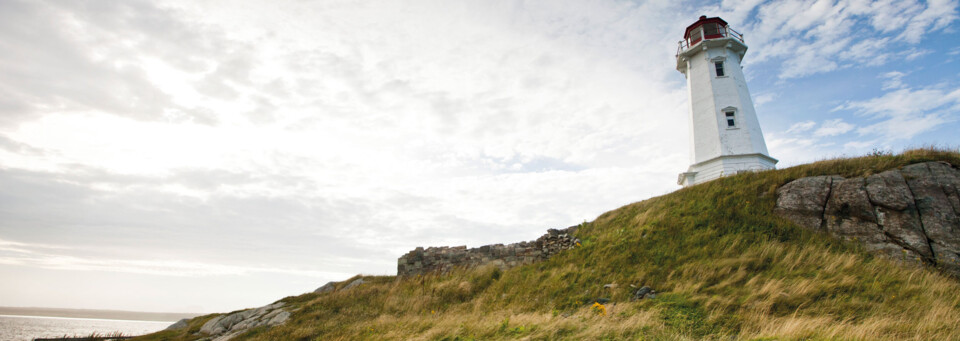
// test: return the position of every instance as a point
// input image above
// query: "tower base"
(723, 166)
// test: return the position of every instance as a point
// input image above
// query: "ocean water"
(26, 328)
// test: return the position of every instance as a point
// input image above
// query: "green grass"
(723, 264)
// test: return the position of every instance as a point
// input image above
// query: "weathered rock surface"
(225, 327)
(443, 259)
(329, 287)
(355, 283)
(802, 201)
(910, 214)
(644, 292)
(178, 325)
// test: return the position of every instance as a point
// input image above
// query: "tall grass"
(723, 264)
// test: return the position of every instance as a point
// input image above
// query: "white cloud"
(793, 149)
(833, 127)
(763, 98)
(903, 127)
(860, 145)
(906, 102)
(801, 143)
(905, 113)
(157, 267)
(815, 36)
(894, 80)
(913, 53)
(800, 127)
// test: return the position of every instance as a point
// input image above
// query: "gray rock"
(644, 292)
(212, 326)
(329, 287)
(949, 179)
(803, 200)
(937, 215)
(355, 282)
(897, 213)
(850, 215)
(442, 259)
(279, 319)
(178, 325)
(911, 214)
(225, 327)
(889, 189)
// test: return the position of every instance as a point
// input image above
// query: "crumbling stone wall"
(444, 258)
(910, 214)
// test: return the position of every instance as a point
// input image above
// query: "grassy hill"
(723, 264)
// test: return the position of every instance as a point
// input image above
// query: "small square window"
(731, 120)
(719, 66)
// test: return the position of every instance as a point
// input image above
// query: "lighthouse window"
(731, 120)
(719, 66)
(710, 29)
(696, 35)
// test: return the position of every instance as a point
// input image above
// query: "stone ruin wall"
(443, 259)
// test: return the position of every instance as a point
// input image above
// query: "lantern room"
(705, 28)
(706, 33)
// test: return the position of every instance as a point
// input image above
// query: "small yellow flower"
(433, 311)
(599, 308)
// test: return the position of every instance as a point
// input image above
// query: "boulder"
(329, 287)
(178, 325)
(355, 282)
(643, 292)
(225, 327)
(910, 214)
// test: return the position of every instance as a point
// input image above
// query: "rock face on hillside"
(183, 323)
(443, 259)
(225, 327)
(910, 214)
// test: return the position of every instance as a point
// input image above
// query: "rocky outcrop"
(910, 214)
(443, 259)
(225, 327)
(354, 283)
(329, 287)
(351, 283)
(183, 323)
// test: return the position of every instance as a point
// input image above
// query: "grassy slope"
(722, 263)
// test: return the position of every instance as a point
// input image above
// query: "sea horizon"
(100, 314)
(84, 318)
(26, 327)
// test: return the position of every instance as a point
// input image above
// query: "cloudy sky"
(207, 156)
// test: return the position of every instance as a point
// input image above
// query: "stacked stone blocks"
(443, 259)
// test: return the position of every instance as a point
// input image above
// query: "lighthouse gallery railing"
(725, 32)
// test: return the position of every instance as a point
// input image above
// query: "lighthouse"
(725, 136)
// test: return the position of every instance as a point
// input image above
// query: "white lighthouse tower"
(725, 134)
